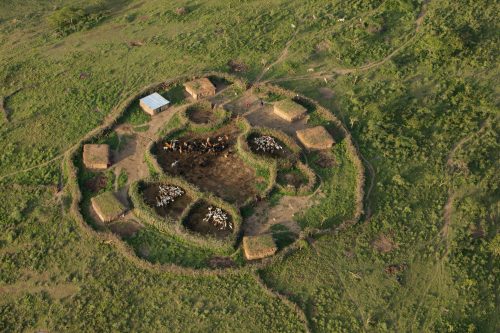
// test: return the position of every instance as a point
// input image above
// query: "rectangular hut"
(289, 110)
(96, 156)
(315, 138)
(154, 103)
(200, 88)
(107, 206)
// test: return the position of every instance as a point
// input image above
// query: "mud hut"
(107, 206)
(154, 103)
(315, 138)
(289, 110)
(96, 156)
(258, 247)
(200, 88)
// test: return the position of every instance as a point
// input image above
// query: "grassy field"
(415, 82)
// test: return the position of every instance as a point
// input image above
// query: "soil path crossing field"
(36, 166)
(450, 161)
(444, 233)
(281, 57)
(343, 70)
(285, 299)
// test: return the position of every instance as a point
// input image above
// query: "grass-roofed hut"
(107, 206)
(96, 156)
(200, 88)
(258, 247)
(289, 110)
(315, 138)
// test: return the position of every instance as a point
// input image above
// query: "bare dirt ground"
(291, 179)
(201, 115)
(265, 216)
(283, 213)
(222, 173)
(130, 156)
(249, 106)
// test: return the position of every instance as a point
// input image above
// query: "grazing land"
(392, 229)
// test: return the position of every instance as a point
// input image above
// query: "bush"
(67, 20)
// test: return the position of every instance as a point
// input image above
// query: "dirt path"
(373, 175)
(35, 166)
(444, 233)
(130, 158)
(281, 57)
(285, 299)
(32, 282)
(370, 65)
(450, 161)
(342, 70)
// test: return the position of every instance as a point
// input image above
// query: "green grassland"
(419, 96)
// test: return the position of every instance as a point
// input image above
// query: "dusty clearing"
(201, 115)
(222, 173)
(250, 107)
(384, 244)
(32, 282)
(283, 213)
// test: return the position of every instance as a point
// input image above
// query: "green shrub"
(67, 20)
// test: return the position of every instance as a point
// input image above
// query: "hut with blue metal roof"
(154, 103)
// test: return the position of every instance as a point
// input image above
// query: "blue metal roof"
(155, 101)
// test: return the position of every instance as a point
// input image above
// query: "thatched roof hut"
(200, 88)
(107, 206)
(258, 247)
(154, 103)
(96, 156)
(289, 110)
(315, 138)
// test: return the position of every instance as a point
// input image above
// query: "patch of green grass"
(247, 211)
(336, 202)
(263, 177)
(282, 236)
(427, 90)
(122, 178)
(134, 115)
(143, 128)
(175, 94)
(157, 247)
(275, 196)
(110, 139)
